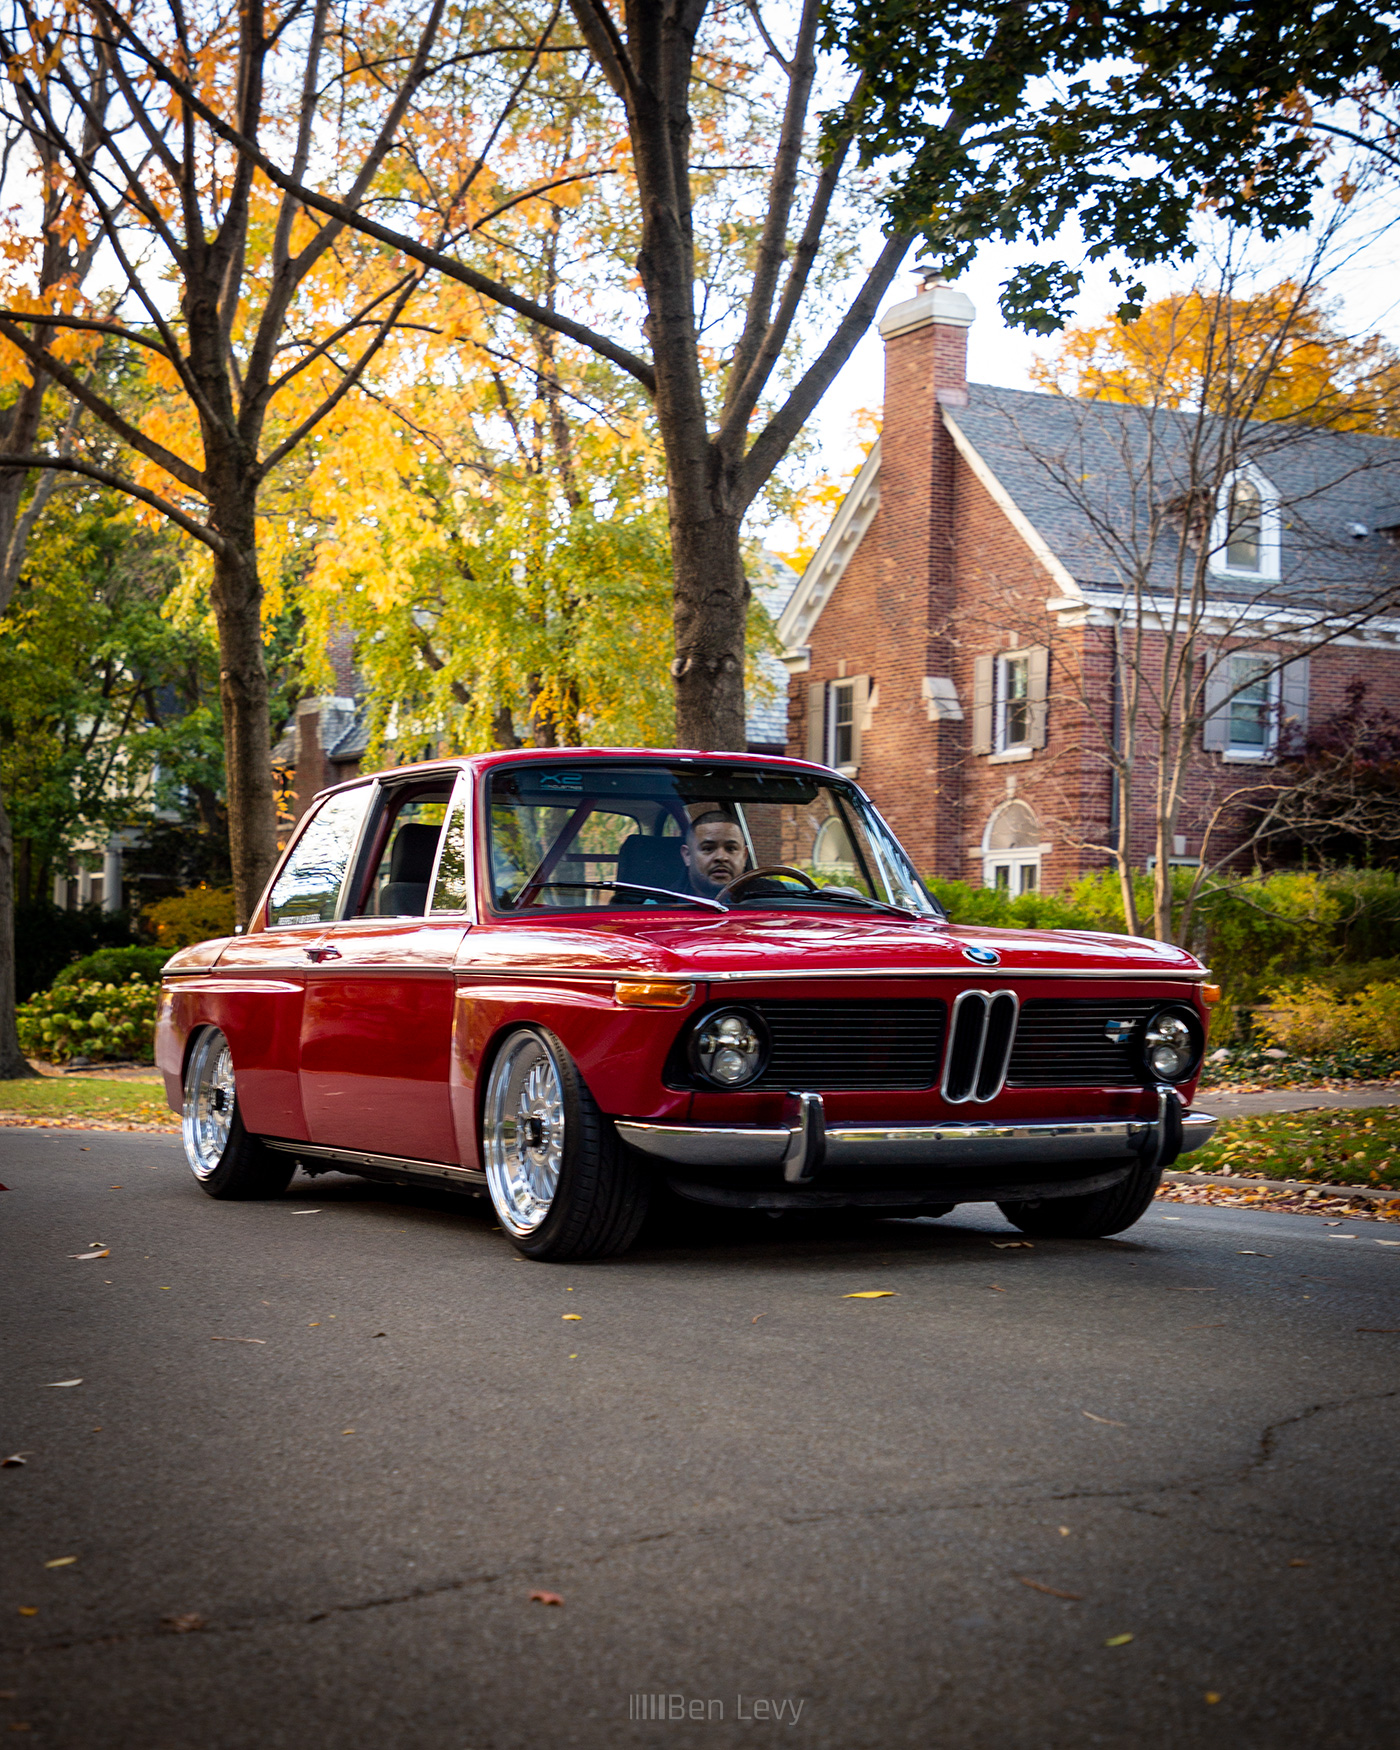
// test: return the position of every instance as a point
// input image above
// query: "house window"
(1246, 531)
(1253, 713)
(843, 724)
(1011, 849)
(1013, 702)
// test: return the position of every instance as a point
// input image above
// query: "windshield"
(581, 835)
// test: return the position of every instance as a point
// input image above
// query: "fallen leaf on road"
(1117, 1640)
(116, 1187)
(185, 1624)
(381, 1334)
(1036, 1586)
(545, 1598)
(61, 1562)
(1013, 1245)
(571, 1318)
(29, 1609)
(1219, 1326)
(64, 1382)
(1376, 1330)
(15, 1458)
(1388, 1242)
(1212, 1697)
(1064, 1531)
(303, 1212)
(262, 1340)
(870, 1294)
(1106, 1420)
(1297, 1562)
(106, 1252)
(347, 1430)
(756, 1317)
(1191, 1291)
(1254, 1254)
(996, 1287)
(1341, 1236)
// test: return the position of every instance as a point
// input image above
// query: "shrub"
(995, 908)
(116, 966)
(91, 1019)
(47, 938)
(1310, 1020)
(193, 916)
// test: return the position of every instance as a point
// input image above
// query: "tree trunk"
(711, 613)
(237, 599)
(13, 1063)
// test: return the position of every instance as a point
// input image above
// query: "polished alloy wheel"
(524, 1133)
(208, 1114)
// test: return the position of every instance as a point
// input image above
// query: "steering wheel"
(767, 869)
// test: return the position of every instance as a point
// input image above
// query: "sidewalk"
(1227, 1105)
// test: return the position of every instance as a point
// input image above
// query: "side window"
(308, 889)
(450, 892)
(399, 887)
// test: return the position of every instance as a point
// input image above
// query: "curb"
(1296, 1185)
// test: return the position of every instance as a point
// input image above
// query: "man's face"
(714, 853)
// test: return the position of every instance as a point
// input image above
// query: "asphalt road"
(747, 1488)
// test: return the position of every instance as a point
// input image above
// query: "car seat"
(652, 862)
(405, 894)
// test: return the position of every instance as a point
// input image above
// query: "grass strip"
(78, 1097)
(1327, 1147)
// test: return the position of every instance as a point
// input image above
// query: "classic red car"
(579, 980)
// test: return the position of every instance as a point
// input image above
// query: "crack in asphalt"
(1265, 1449)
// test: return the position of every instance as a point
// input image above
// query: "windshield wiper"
(635, 887)
(848, 896)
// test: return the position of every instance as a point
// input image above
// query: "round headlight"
(1171, 1045)
(728, 1048)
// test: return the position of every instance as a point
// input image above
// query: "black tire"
(562, 1183)
(225, 1160)
(1094, 1216)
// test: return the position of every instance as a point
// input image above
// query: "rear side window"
(308, 889)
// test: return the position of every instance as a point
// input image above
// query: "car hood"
(750, 945)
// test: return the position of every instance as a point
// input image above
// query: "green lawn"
(1360, 1147)
(79, 1097)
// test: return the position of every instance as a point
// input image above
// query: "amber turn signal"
(653, 994)
(1210, 993)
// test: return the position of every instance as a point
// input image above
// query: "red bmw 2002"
(575, 980)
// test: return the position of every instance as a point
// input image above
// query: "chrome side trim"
(356, 1158)
(759, 975)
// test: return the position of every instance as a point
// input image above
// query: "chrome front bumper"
(800, 1149)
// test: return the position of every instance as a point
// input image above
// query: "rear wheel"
(562, 1184)
(227, 1161)
(1091, 1217)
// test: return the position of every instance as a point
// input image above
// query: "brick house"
(967, 632)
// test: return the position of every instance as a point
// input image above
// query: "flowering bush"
(192, 916)
(91, 1020)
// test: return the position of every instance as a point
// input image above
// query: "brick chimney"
(926, 367)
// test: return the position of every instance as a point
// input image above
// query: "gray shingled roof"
(1080, 471)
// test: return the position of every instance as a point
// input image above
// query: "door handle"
(320, 954)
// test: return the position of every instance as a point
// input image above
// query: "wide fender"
(261, 1019)
(620, 1052)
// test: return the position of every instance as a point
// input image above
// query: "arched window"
(1011, 849)
(1244, 537)
(1245, 533)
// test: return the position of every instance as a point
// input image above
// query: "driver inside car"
(714, 852)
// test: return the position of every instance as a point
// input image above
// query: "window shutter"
(982, 704)
(1038, 691)
(816, 722)
(1215, 732)
(860, 710)
(1294, 696)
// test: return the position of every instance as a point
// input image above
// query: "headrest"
(415, 846)
(652, 862)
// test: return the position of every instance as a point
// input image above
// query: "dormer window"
(1245, 532)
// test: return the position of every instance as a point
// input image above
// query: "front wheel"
(227, 1161)
(1091, 1217)
(562, 1184)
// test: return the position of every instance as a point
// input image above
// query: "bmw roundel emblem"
(982, 956)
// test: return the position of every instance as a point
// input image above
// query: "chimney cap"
(936, 303)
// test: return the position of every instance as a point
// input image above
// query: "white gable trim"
(1070, 591)
(814, 587)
